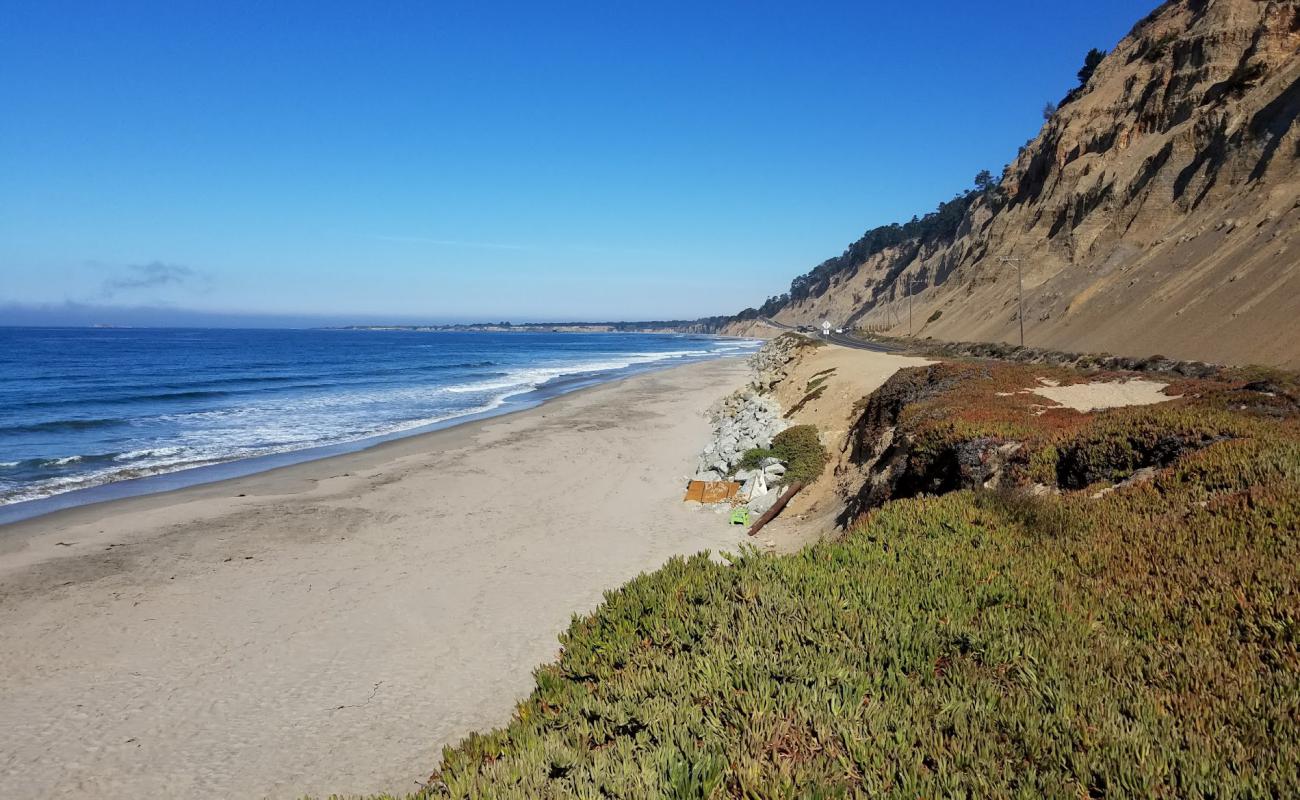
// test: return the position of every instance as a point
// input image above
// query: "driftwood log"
(776, 507)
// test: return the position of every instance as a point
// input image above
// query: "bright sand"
(327, 627)
(1087, 397)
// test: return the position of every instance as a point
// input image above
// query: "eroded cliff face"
(1158, 211)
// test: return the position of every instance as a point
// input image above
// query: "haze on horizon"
(250, 164)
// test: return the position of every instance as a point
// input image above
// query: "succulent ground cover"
(1078, 640)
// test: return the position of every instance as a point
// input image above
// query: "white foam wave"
(174, 459)
(87, 480)
(528, 378)
(148, 452)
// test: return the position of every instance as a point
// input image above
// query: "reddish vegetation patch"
(971, 424)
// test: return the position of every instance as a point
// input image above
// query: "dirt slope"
(1156, 212)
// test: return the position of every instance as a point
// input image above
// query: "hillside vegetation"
(1074, 632)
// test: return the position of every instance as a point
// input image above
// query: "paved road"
(840, 339)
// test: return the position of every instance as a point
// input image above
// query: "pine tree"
(1090, 63)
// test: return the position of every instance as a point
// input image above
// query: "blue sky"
(451, 161)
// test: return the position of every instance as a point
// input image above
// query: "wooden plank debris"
(711, 491)
(776, 508)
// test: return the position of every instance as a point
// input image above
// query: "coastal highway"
(840, 339)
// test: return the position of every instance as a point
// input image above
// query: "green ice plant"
(981, 643)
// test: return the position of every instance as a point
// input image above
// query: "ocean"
(88, 407)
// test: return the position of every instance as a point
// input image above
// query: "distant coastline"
(660, 327)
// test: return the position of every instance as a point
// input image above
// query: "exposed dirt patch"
(1096, 396)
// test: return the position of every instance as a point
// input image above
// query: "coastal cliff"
(1157, 211)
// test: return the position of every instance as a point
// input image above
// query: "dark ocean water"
(85, 407)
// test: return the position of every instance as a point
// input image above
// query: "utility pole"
(911, 293)
(1020, 295)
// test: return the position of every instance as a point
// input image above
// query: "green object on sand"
(740, 516)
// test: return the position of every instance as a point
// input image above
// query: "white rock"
(756, 486)
(760, 504)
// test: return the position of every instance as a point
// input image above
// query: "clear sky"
(484, 160)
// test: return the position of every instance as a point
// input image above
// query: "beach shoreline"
(327, 626)
(185, 476)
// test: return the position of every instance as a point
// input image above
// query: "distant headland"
(706, 325)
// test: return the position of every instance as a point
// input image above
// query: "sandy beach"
(327, 627)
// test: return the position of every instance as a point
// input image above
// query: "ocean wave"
(526, 379)
(189, 394)
(63, 425)
(337, 372)
(174, 396)
(41, 465)
(148, 462)
(207, 389)
(86, 480)
(462, 365)
(193, 394)
(148, 452)
(232, 380)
